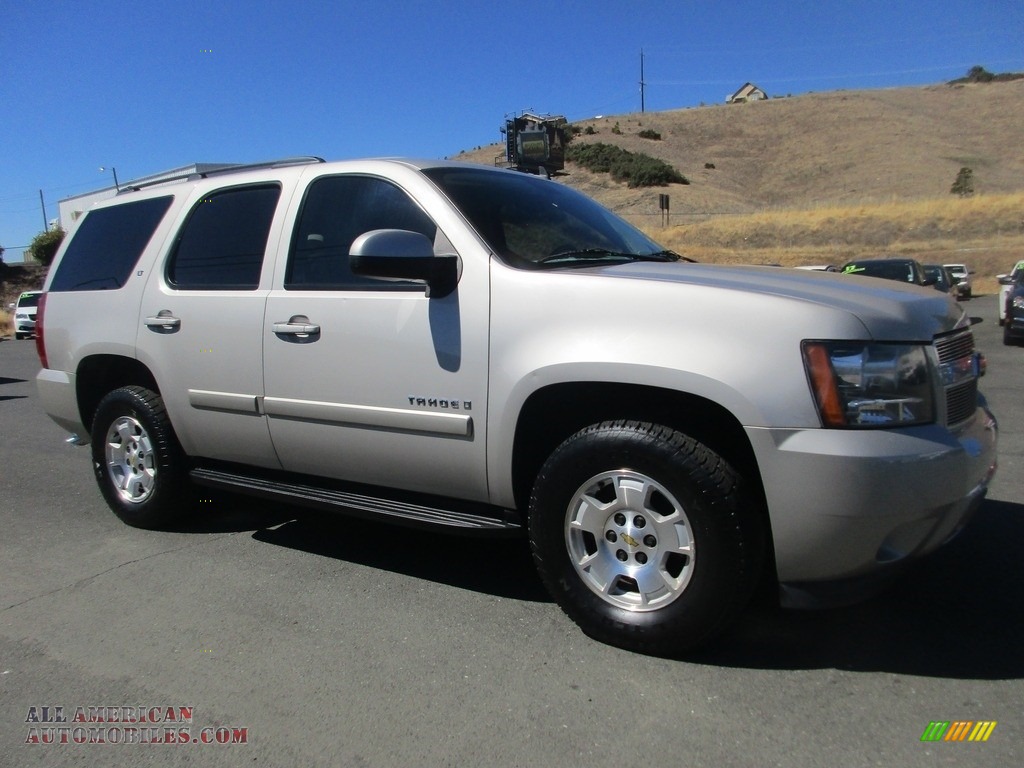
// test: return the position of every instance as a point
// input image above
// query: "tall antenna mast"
(642, 83)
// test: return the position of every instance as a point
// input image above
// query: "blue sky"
(144, 86)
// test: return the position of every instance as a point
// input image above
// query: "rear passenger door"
(201, 322)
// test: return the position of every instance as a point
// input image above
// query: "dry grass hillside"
(824, 177)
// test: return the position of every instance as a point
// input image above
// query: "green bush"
(647, 133)
(634, 168)
(44, 245)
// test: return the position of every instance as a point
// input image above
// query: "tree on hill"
(978, 74)
(963, 185)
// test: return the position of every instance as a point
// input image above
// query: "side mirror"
(1004, 279)
(397, 254)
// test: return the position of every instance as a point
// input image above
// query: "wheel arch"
(553, 413)
(99, 374)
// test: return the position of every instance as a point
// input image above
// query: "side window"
(336, 210)
(221, 244)
(107, 245)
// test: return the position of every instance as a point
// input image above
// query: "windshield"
(534, 223)
(28, 300)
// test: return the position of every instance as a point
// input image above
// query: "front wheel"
(645, 537)
(138, 464)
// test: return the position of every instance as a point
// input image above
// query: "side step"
(489, 521)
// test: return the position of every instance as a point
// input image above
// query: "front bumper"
(1015, 325)
(849, 508)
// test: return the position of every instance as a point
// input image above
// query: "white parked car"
(25, 314)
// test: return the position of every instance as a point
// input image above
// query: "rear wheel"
(644, 536)
(138, 464)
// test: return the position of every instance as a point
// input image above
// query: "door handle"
(297, 325)
(163, 320)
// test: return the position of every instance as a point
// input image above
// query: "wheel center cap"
(630, 541)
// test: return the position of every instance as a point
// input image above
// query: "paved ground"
(340, 643)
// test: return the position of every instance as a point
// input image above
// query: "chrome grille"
(958, 375)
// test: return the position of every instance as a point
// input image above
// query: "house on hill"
(749, 92)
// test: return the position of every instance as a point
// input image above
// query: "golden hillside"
(823, 177)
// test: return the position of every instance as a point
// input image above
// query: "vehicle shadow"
(502, 567)
(956, 614)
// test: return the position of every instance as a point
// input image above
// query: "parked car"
(902, 270)
(962, 275)
(1013, 325)
(25, 314)
(1006, 283)
(445, 345)
(941, 279)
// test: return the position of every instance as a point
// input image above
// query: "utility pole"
(46, 226)
(642, 83)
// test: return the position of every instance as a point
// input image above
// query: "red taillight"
(40, 341)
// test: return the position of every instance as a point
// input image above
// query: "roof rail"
(282, 163)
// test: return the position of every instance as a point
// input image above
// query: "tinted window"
(28, 300)
(223, 242)
(338, 209)
(108, 244)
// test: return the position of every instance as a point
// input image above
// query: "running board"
(363, 505)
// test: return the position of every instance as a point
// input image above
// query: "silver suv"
(451, 346)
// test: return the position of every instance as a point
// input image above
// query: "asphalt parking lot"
(322, 641)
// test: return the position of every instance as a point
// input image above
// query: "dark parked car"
(903, 270)
(942, 279)
(1006, 283)
(1013, 327)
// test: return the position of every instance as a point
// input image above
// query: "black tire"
(20, 336)
(138, 463)
(671, 548)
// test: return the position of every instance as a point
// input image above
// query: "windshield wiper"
(603, 254)
(668, 255)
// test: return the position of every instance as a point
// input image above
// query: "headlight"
(1018, 302)
(870, 385)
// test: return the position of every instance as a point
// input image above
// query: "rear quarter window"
(107, 245)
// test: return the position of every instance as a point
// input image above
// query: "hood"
(888, 309)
